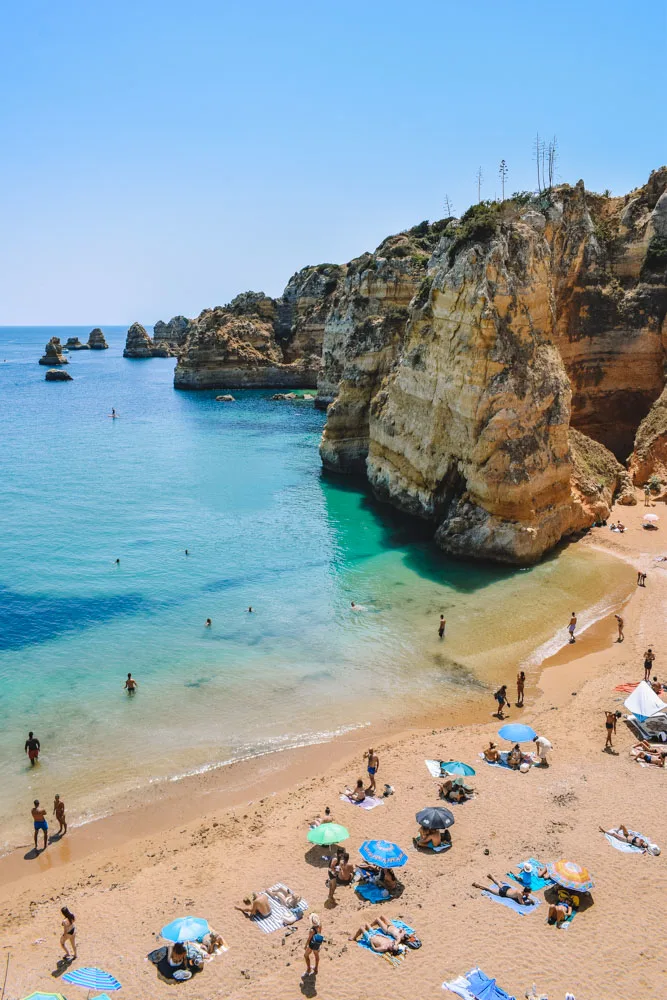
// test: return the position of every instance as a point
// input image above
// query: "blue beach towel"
(501, 763)
(566, 923)
(534, 882)
(430, 847)
(394, 959)
(372, 893)
(512, 904)
(476, 985)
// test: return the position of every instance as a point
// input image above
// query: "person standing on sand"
(314, 942)
(647, 496)
(501, 698)
(373, 767)
(610, 726)
(543, 747)
(571, 627)
(59, 813)
(130, 684)
(619, 623)
(441, 627)
(68, 936)
(520, 684)
(32, 748)
(39, 821)
(649, 658)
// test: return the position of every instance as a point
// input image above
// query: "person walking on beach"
(543, 747)
(501, 698)
(39, 821)
(313, 944)
(373, 767)
(59, 813)
(649, 657)
(571, 627)
(647, 496)
(619, 623)
(32, 748)
(610, 726)
(441, 627)
(130, 684)
(520, 684)
(68, 936)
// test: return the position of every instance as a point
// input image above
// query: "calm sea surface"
(240, 486)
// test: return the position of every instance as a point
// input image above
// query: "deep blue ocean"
(240, 486)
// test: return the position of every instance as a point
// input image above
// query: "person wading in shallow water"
(619, 624)
(39, 823)
(572, 626)
(32, 748)
(520, 684)
(130, 684)
(59, 813)
(441, 626)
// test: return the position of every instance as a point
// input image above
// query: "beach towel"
(393, 959)
(626, 688)
(501, 763)
(371, 892)
(476, 984)
(369, 802)
(279, 913)
(566, 923)
(433, 768)
(534, 882)
(627, 848)
(430, 847)
(512, 904)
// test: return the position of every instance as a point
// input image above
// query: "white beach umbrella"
(651, 517)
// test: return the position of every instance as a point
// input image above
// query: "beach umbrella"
(515, 732)
(651, 517)
(45, 996)
(92, 979)
(570, 875)
(456, 767)
(186, 929)
(383, 853)
(327, 833)
(435, 818)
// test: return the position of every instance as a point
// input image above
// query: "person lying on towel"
(506, 891)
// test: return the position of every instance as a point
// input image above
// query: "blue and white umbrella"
(457, 767)
(515, 732)
(92, 979)
(186, 929)
(383, 853)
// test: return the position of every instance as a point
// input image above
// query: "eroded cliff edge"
(538, 325)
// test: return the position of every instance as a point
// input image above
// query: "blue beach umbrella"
(45, 996)
(92, 979)
(514, 732)
(383, 853)
(186, 929)
(456, 767)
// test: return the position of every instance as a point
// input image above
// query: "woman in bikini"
(560, 911)
(382, 936)
(358, 795)
(492, 754)
(506, 891)
(644, 752)
(68, 936)
(520, 684)
(341, 873)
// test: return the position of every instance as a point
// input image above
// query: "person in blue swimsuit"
(39, 820)
(373, 767)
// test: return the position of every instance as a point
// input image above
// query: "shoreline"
(231, 784)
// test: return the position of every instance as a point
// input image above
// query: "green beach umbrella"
(328, 833)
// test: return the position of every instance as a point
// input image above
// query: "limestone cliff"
(649, 457)
(53, 353)
(257, 342)
(74, 344)
(97, 340)
(139, 345)
(174, 332)
(532, 317)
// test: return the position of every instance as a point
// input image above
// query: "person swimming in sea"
(208, 623)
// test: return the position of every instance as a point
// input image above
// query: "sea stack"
(74, 344)
(139, 345)
(174, 332)
(57, 375)
(53, 353)
(96, 340)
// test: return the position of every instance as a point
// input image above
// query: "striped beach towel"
(279, 913)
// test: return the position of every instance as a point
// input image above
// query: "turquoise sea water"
(240, 486)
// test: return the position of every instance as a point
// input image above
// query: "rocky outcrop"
(174, 332)
(245, 345)
(74, 344)
(139, 345)
(649, 457)
(53, 353)
(474, 410)
(57, 375)
(97, 340)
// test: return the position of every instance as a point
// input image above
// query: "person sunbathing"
(515, 757)
(327, 817)
(288, 898)
(506, 891)
(622, 833)
(644, 752)
(358, 795)
(256, 905)
(492, 754)
(561, 910)
(382, 936)
(427, 837)
(384, 877)
(454, 790)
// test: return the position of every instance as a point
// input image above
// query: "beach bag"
(413, 942)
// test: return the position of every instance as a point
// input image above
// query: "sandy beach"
(214, 839)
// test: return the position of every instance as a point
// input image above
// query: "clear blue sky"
(158, 157)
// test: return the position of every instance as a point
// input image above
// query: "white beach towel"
(369, 802)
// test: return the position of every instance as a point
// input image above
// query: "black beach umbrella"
(435, 818)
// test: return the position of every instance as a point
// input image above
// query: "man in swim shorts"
(649, 657)
(130, 684)
(571, 627)
(373, 765)
(32, 748)
(39, 821)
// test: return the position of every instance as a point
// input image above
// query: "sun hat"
(315, 920)
(527, 867)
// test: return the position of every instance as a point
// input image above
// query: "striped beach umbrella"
(328, 833)
(383, 853)
(457, 767)
(92, 979)
(185, 929)
(570, 875)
